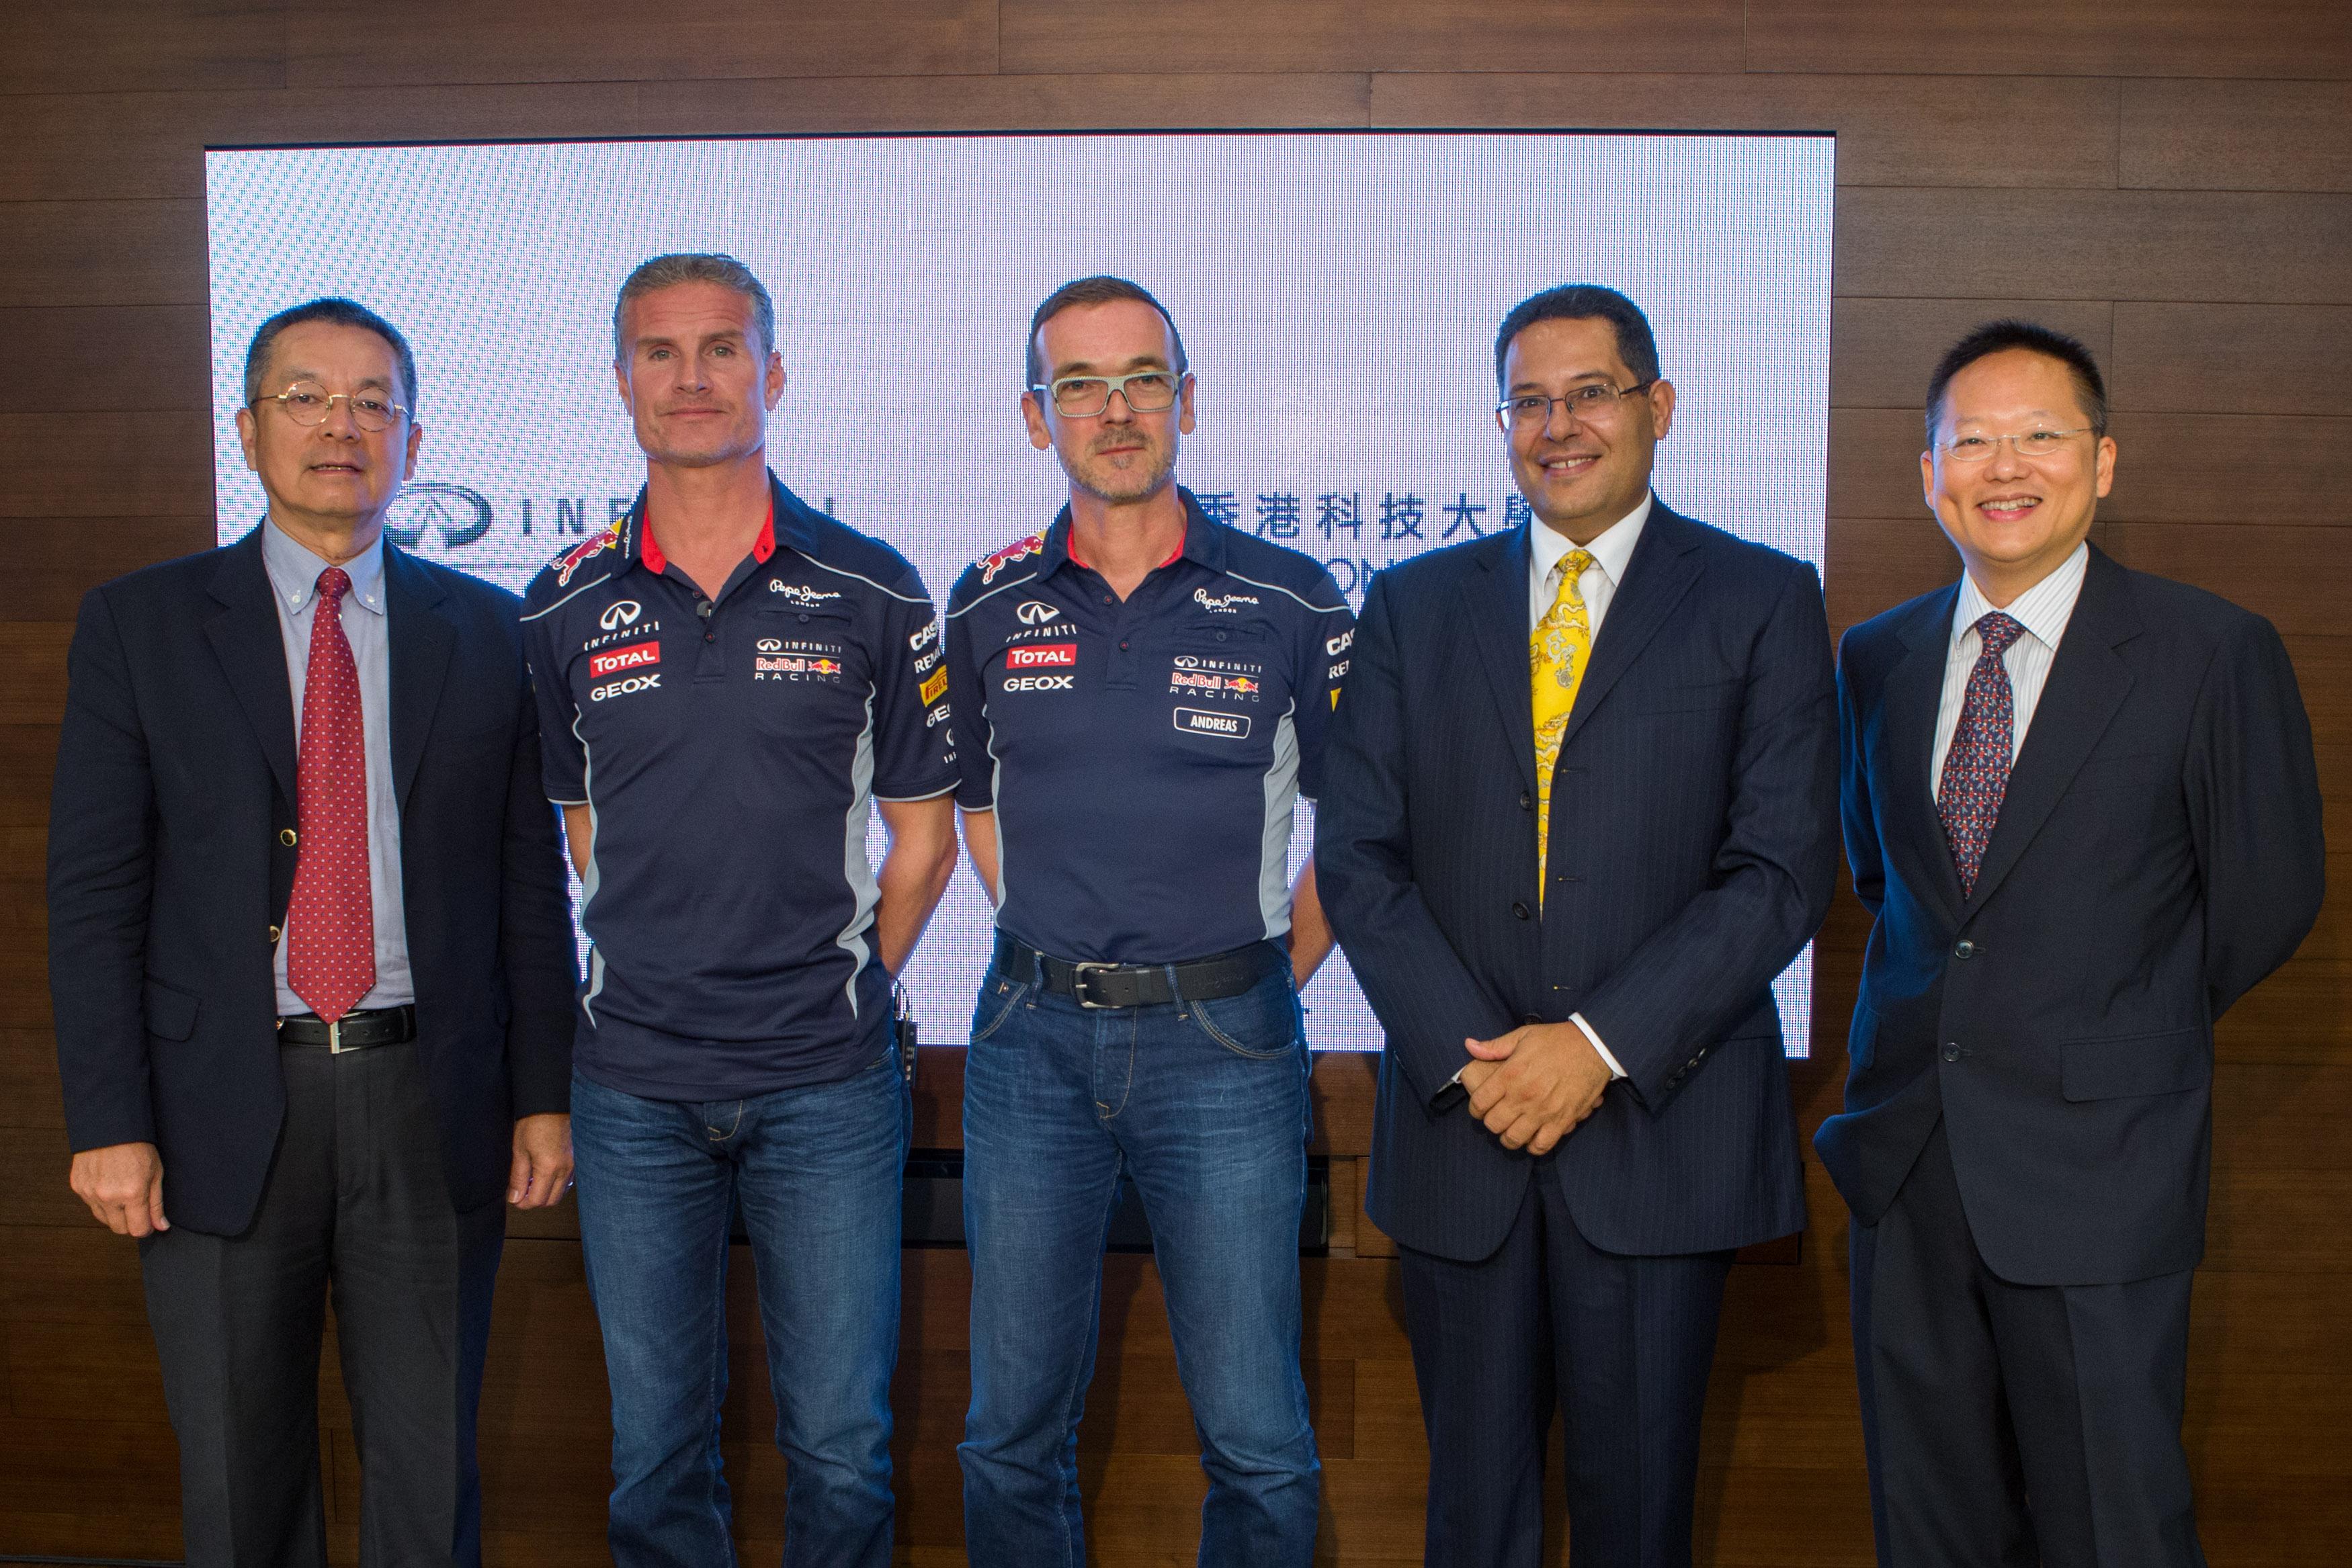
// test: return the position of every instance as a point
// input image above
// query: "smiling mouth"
(1570, 463)
(2008, 509)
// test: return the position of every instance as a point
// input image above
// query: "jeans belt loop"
(1175, 991)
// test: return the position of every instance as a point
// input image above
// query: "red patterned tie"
(1975, 769)
(331, 963)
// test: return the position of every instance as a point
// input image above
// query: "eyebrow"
(1087, 366)
(1519, 387)
(365, 384)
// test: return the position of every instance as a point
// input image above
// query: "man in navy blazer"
(2080, 806)
(1583, 1107)
(311, 967)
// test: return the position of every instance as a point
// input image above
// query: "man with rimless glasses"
(1580, 814)
(2081, 805)
(1142, 693)
(312, 966)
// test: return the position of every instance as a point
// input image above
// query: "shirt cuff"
(1615, 1071)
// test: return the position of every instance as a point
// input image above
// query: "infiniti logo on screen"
(456, 514)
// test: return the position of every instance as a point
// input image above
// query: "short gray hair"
(697, 267)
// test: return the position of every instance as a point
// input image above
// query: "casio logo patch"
(623, 688)
(929, 633)
(1335, 646)
(1043, 655)
(613, 661)
(1040, 683)
(1225, 726)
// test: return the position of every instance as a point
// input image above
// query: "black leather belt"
(1099, 986)
(353, 1031)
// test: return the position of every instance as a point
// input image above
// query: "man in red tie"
(311, 966)
(2082, 809)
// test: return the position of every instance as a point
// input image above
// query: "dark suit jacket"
(167, 873)
(2158, 852)
(1692, 852)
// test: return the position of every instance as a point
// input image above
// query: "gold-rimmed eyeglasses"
(308, 402)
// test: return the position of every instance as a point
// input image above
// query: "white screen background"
(1337, 296)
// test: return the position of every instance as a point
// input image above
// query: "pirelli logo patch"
(935, 687)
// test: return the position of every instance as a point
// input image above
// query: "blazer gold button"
(286, 836)
(273, 934)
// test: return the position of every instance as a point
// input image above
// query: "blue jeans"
(817, 1172)
(1204, 1104)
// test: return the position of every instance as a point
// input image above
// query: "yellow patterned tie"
(1558, 651)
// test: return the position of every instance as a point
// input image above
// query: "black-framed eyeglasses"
(1146, 392)
(308, 402)
(1532, 411)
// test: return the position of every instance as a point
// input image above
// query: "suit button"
(1953, 1053)
(1526, 801)
(287, 836)
(273, 935)
(1964, 948)
(1521, 911)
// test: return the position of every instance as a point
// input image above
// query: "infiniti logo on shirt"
(619, 613)
(1035, 612)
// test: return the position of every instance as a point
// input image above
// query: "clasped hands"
(1532, 1086)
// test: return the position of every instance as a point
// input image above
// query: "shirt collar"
(294, 569)
(1203, 544)
(2043, 610)
(1611, 548)
(648, 552)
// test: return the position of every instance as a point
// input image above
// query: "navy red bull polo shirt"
(729, 750)
(1143, 758)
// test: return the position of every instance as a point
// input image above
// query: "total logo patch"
(1224, 726)
(621, 688)
(1042, 656)
(1040, 683)
(613, 661)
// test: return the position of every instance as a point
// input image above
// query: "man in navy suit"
(1583, 1107)
(2080, 806)
(311, 967)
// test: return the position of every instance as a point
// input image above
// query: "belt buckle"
(1078, 973)
(335, 1038)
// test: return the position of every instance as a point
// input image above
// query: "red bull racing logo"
(1019, 550)
(572, 560)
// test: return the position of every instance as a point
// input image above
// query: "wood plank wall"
(2170, 179)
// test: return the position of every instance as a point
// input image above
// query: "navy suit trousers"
(1621, 1345)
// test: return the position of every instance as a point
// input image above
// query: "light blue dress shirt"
(294, 585)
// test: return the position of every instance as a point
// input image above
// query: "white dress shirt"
(1610, 550)
(294, 585)
(2043, 611)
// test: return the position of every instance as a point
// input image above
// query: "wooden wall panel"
(2168, 180)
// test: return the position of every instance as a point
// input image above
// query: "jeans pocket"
(1263, 1023)
(998, 997)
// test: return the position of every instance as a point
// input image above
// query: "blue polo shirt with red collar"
(728, 749)
(1144, 756)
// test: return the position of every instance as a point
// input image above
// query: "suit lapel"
(2087, 684)
(245, 638)
(1910, 701)
(1664, 566)
(422, 639)
(1494, 606)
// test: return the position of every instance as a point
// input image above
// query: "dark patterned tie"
(330, 928)
(1975, 769)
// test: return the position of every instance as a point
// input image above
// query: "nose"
(2005, 463)
(1560, 420)
(341, 423)
(1117, 409)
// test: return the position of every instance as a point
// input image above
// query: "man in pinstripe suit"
(1581, 809)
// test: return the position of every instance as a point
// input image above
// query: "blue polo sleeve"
(977, 789)
(914, 757)
(563, 761)
(1328, 636)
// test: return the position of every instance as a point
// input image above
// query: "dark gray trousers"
(2015, 1426)
(356, 1207)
